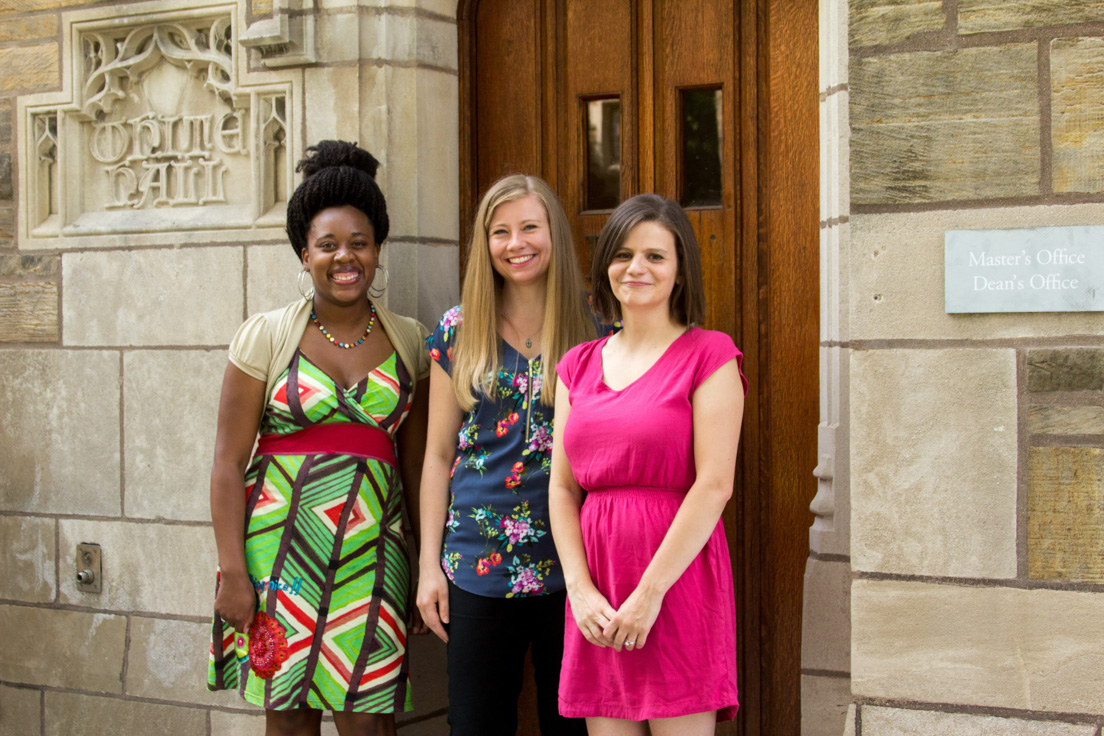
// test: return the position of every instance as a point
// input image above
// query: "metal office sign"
(1042, 269)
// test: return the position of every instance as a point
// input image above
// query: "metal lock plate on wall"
(88, 568)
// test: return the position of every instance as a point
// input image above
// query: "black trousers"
(488, 638)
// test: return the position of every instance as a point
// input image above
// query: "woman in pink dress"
(650, 422)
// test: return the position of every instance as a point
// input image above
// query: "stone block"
(879, 22)
(5, 176)
(945, 125)
(271, 277)
(424, 280)
(20, 711)
(261, 7)
(1066, 420)
(167, 660)
(5, 120)
(73, 714)
(237, 724)
(7, 223)
(23, 265)
(895, 276)
(27, 68)
(408, 39)
(19, 6)
(826, 621)
(190, 296)
(29, 312)
(63, 649)
(985, 16)
(28, 559)
(1065, 369)
(422, 172)
(153, 568)
(933, 462)
(332, 96)
(338, 37)
(436, 44)
(1065, 514)
(824, 703)
(26, 28)
(999, 647)
(169, 453)
(446, 8)
(438, 155)
(70, 398)
(1077, 112)
(879, 721)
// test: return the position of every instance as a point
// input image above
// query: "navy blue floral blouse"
(498, 542)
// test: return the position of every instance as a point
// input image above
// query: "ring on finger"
(630, 643)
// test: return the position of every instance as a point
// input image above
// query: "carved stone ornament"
(154, 135)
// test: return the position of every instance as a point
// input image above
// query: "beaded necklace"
(333, 340)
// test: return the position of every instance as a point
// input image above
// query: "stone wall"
(976, 448)
(119, 293)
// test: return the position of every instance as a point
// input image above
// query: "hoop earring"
(306, 292)
(378, 293)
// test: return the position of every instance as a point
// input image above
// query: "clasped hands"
(626, 627)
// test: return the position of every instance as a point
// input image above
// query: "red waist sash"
(359, 440)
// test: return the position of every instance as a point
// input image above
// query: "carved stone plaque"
(154, 135)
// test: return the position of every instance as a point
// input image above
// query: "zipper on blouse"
(529, 398)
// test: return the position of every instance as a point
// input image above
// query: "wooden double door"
(712, 103)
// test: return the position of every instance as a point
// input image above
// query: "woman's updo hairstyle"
(335, 174)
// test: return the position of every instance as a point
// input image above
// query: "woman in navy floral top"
(490, 582)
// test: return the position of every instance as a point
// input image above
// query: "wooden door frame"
(777, 199)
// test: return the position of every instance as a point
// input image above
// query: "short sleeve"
(441, 343)
(714, 349)
(568, 366)
(251, 348)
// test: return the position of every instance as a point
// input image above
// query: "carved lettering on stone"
(175, 154)
(157, 136)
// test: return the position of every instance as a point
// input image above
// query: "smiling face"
(643, 270)
(341, 255)
(520, 240)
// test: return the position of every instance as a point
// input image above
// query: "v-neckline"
(649, 369)
(336, 383)
(517, 352)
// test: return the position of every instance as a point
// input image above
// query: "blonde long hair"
(567, 320)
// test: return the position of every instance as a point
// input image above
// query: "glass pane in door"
(603, 181)
(702, 145)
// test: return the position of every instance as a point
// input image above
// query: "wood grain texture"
(760, 252)
(793, 249)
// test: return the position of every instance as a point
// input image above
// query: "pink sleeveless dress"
(632, 451)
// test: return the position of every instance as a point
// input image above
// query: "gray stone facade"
(146, 153)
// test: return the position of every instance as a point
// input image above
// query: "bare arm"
(590, 608)
(718, 407)
(238, 420)
(445, 417)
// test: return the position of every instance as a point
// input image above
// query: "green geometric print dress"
(325, 548)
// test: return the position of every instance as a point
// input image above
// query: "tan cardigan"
(265, 342)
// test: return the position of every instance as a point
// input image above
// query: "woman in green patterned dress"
(314, 589)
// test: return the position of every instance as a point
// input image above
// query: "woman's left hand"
(633, 621)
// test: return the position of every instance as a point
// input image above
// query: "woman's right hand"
(592, 614)
(433, 600)
(236, 601)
